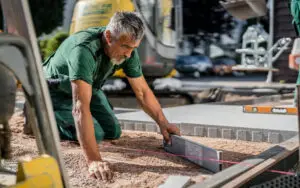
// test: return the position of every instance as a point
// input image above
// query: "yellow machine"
(40, 172)
(94, 13)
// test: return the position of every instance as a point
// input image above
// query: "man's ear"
(108, 37)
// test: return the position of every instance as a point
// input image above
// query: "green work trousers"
(106, 124)
(295, 11)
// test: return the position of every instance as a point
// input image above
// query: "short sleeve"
(132, 67)
(81, 64)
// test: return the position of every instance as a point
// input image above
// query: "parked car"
(195, 64)
(223, 66)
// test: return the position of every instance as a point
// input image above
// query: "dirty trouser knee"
(62, 105)
(67, 130)
(103, 113)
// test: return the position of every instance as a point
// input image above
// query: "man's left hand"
(169, 129)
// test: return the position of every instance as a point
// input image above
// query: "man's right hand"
(100, 170)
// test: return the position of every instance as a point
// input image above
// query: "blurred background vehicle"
(223, 65)
(195, 64)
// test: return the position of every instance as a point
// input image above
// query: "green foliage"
(49, 46)
(43, 45)
(46, 14)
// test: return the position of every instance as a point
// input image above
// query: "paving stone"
(257, 136)
(219, 115)
(204, 156)
(213, 132)
(129, 126)
(187, 129)
(122, 124)
(223, 117)
(200, 131)
(243, 135)
(151, 127)
(176, 182)
(274, 138)
(227, 134)
(140, 127)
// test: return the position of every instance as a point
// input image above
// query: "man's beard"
(116, 62)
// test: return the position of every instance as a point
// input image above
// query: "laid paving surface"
(242, 84)
(281, 103)
(219, 115)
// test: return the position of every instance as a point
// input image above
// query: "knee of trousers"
(99, 136)
(117, 132)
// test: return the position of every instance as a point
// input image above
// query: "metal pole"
(270, 41)
(178, 23)
(298, 113)
(18, 21)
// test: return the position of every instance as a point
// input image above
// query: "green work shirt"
(81, 57)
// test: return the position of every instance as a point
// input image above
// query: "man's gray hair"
(128, 23)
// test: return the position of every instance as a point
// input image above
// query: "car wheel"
(222, 73)
(197, 74)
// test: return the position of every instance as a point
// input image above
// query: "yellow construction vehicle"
(20, 60)
(94, 13)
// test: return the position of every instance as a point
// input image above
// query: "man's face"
(120, 49)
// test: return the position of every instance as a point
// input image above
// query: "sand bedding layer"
(137, 158)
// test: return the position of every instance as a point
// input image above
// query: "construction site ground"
(137, 158)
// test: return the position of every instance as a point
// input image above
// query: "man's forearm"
(86, 136)
(152, 107)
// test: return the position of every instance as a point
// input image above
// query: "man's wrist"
(163, 125)
(89, 161)
(93, 158)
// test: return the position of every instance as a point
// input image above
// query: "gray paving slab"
(176, 182)
(118, 110)
(204, 156)
(219, 115)
(227, 133)
(238, 84)
(257, 136)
